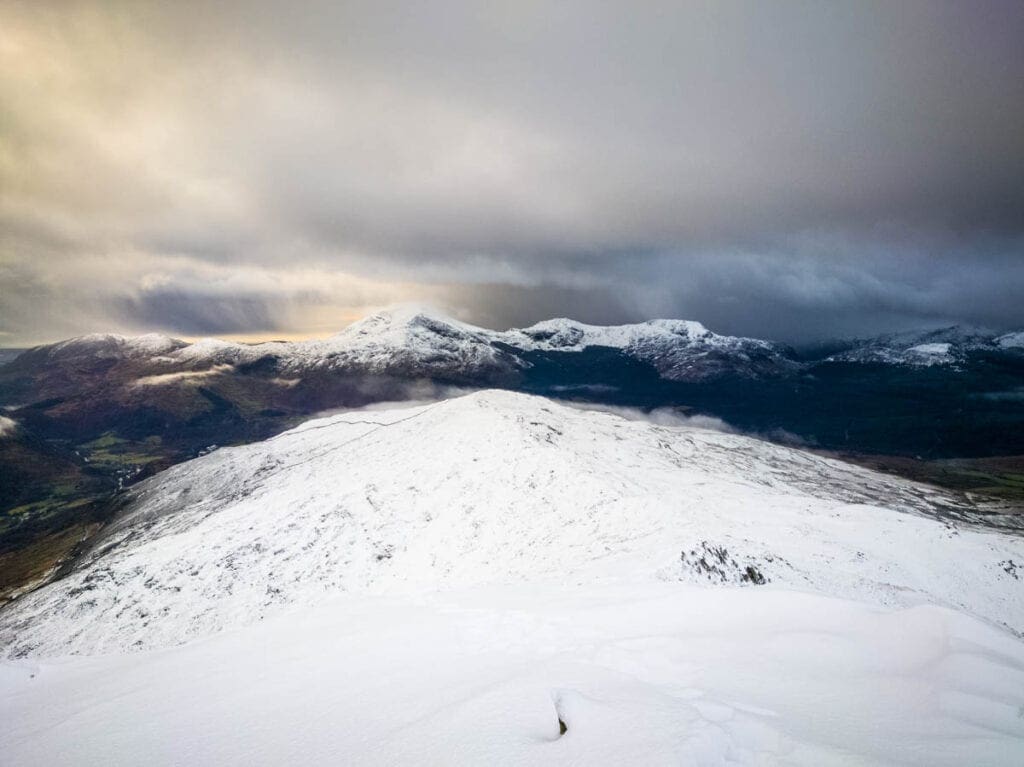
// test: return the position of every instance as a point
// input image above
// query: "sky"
(789, 170)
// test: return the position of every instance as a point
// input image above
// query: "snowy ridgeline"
(460, 582)
(498, 487)
(414, 340)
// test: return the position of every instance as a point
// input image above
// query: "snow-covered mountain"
(418, 342)
(412, 341)
(498, 487)
(680, 350)
(405, 341)
(499, 579)
(1011, 340)
(412, 338)
(101, 346)
(944, 346)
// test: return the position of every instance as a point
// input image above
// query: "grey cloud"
(203, 314)
(791, 169)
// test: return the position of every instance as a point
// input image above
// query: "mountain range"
(422, 343)
(87, 417)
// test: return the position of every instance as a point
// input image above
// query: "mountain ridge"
(499, 487)
(418, 339)
(399, 338)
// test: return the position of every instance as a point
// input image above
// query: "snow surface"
(1011, 340)
(641, 674)
(110, 344)
(568, 335)
(930, 349)
(678, 349)
(441, 584)
(497, 487)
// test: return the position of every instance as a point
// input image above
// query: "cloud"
(661, 416)
(196, 377)
(8, 426)
(790, 169)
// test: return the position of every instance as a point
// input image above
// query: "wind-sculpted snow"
(497, 487)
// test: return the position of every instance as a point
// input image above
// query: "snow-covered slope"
(498, 579)
(680, 350)
(497, 487)
(945, 346)
(105, 346)
(404, 341)
(1011, 340)
(639, 674)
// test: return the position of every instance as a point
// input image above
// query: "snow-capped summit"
(413, 338)
(108, 345)
(680, 350)
(495, 488)
(566, 334)
(405, 323)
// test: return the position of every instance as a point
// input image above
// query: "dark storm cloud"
(792, 169)
(505, 306)
(201, 315)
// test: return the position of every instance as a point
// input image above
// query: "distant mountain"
(412, 342)
(849, 396)
(951, 346)
(680, 350)
(493, 488)
(7, 355)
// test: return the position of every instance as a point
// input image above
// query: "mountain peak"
(948, 345)
(495, 487)
(105, 345)
(402, 316)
